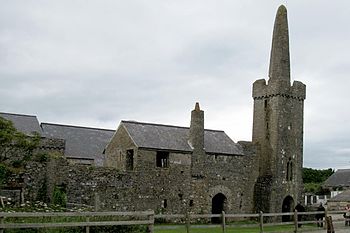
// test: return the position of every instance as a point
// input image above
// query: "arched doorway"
(287, 206)
(218, 205)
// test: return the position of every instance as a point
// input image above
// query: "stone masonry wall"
(165, 190)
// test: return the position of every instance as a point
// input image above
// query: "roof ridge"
(157, 124)
(18, 114)
(75, 126)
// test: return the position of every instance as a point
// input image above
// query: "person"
(299, 208)
(347, 215)
(320, 216)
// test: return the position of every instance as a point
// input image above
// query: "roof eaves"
(75, 126)
(82, 158)
(223, 153)
(164, 149)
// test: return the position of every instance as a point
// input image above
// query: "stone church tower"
(278, 128)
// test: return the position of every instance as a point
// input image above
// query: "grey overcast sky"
(96, 62)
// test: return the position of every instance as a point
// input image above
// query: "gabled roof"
(168, 137)
(26, 124)
(81, 142)
(340, 178)
(344, 196)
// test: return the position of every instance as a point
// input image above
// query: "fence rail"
(148, 218)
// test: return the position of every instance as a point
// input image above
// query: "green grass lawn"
(229, 229)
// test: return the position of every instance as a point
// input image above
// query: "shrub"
(17, 163)
(59, 196)
(4, 173)
(41, 157)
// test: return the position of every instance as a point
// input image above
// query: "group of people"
(320, 216)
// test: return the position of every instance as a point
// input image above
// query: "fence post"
(330, 228)
(261, 224)
(295, 221)
(223, 222)
(151, 225)
(2, 222)
(87, 228)
(325, 219)
(187, 222)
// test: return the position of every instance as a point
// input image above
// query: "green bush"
(17, 163)
(59, 196)
(42, 192)
(42, 157)
(4, 173)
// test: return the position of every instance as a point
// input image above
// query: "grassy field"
(236, 229)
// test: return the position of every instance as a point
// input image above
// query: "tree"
(15, 147)
(314, 178)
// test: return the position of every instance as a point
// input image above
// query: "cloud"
(95, 63)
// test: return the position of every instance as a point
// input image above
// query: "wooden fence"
(148, 218)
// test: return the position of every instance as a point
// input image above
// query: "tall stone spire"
(278, 128)
(279, 60)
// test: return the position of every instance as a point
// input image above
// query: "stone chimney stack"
(196, 136)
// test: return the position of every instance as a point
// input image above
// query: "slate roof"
(81, 142)
(341, 178)
(168, 137)
(26, 124)
(344, 196)
(89, 143)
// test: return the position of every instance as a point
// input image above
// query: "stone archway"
(287, 206)
(218, 205)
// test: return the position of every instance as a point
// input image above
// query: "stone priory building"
(172, 169)
(204, 170)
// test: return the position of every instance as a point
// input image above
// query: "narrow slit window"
(289, 176)
(165, 203)
(129, 160)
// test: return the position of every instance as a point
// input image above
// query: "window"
(267, 135)
(164, 203)
(129, 160)
(289, 170)
(162, 159)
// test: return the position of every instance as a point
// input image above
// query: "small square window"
(162, 159)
